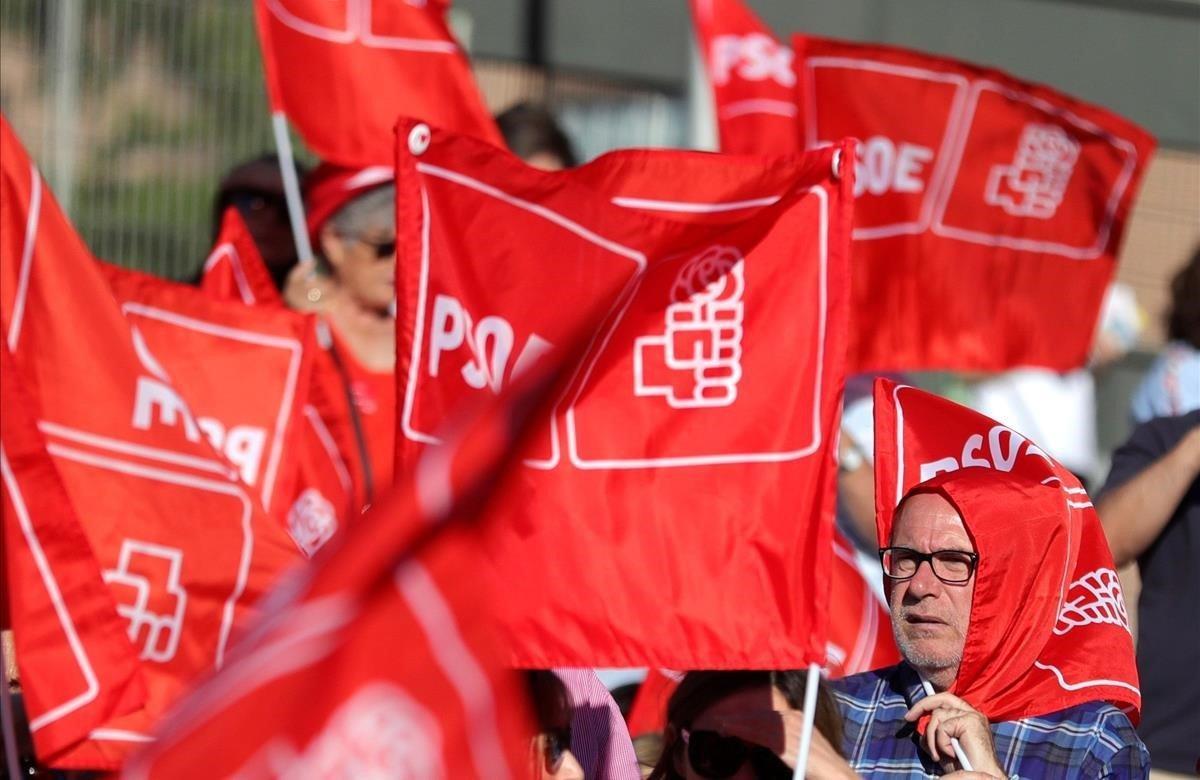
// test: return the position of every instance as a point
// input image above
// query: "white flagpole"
(963, 761)
(291, 186)
(7, 721)
(810, 714)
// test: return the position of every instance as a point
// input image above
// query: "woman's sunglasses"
(716, 756)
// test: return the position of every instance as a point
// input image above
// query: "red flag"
(182, 546)
(78, 669)
(341, 71)
(720, 363)
(860, 636)
(987, 207)
(244, 371)
(234, 269)
(1048, 625)
(752, 79)
(380, 658)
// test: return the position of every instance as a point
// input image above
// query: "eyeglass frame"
(929, 558)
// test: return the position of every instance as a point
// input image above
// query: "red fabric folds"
(1048, 625)
(720, 359)
(181, 543)
(341, 71)
(986, 207)
(752, 79)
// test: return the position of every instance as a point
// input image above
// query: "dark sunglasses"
(555, 744)
(383, 249)
(716, 756)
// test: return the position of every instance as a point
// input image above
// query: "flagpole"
(810, 714)
(963, 761)
(7, 721)
(291, 186)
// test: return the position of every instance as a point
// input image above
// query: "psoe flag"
(690, 464)
(183, 546)
(342, 70)
(751, 76)
(1049, 628)
(989, 211)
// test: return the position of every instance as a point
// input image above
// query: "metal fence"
(134, 109)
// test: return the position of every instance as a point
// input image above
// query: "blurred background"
(135, 108)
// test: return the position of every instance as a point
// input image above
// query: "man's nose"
(924, 582)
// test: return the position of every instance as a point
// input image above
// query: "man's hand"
(952, 718)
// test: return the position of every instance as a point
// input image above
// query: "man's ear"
(333, 246)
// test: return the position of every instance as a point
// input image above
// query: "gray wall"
(1138, 57)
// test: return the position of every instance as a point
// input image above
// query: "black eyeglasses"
(953, 567)
(555, 744)
(714, 755)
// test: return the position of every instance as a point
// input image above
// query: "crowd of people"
(898, 721)
(952, 566)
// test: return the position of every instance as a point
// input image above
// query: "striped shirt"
(599, 739)
(1088, 740)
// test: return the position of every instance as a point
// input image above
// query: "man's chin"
(927, 653)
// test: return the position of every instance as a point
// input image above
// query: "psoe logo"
(753, 57)
(312, 521)
(1034, 183)
(149, 573)
(1093, 599)
(697, 361)
(381, 731)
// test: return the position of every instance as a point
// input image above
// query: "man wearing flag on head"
(1005, 606)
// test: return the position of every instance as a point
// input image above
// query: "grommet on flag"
(419, 138)
(837, 164)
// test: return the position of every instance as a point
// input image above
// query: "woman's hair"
(551, 702)
(1183, 318)
(530, 129)
(700, 690)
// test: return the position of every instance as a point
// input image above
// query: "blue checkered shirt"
(1088, 740)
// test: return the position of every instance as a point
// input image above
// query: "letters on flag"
(1049, 628)
(720, 358)
(183, 548)
(752, 79)
(987, 208)
(342, 71)
(245, 372)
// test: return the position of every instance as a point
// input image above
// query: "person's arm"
(1135, 513)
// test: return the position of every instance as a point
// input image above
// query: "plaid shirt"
(1089, 740)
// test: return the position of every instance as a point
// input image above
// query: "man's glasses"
(953, 567)
(555, 744)
(716, 756)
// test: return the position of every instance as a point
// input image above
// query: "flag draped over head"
(986, 207)
(720, 358)
(1048, 626)
(752, 79)
(234, 269)
(133, 457)
(341, 71)
(381, 659)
